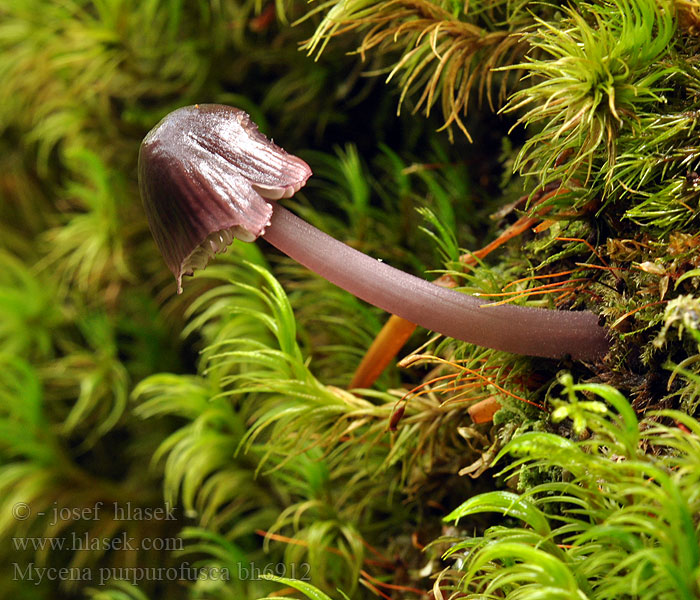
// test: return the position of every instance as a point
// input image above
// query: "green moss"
(228, 402)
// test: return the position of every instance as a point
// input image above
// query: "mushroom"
(207, 175)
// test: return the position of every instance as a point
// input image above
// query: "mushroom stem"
(518, 329)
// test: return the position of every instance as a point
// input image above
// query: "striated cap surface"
(205, 175)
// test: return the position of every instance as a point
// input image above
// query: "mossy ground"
(228, 403)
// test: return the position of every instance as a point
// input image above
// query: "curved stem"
(518, 329)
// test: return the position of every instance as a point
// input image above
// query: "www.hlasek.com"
(75, 542)
(136, 575)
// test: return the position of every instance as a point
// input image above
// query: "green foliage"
(253, 372)
(117, 591)
(654, 172)
(102, 379)
(444, 51)
(622, 523)
(309, 591)
(600, 68)
(29, 313)
(87, 249)
(229, 402)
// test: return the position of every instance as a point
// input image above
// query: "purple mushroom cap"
(206, 174)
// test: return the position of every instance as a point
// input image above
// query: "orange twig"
(546, 286)
(376, 590)
(482, 412)
(467, 384)
(588, 244)
(527, 293)
(391, 586)
(282, 593)
(630, 313)
(546, 276)
(287, 540)
(485, 379)
(384, 348)
(374, 551)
